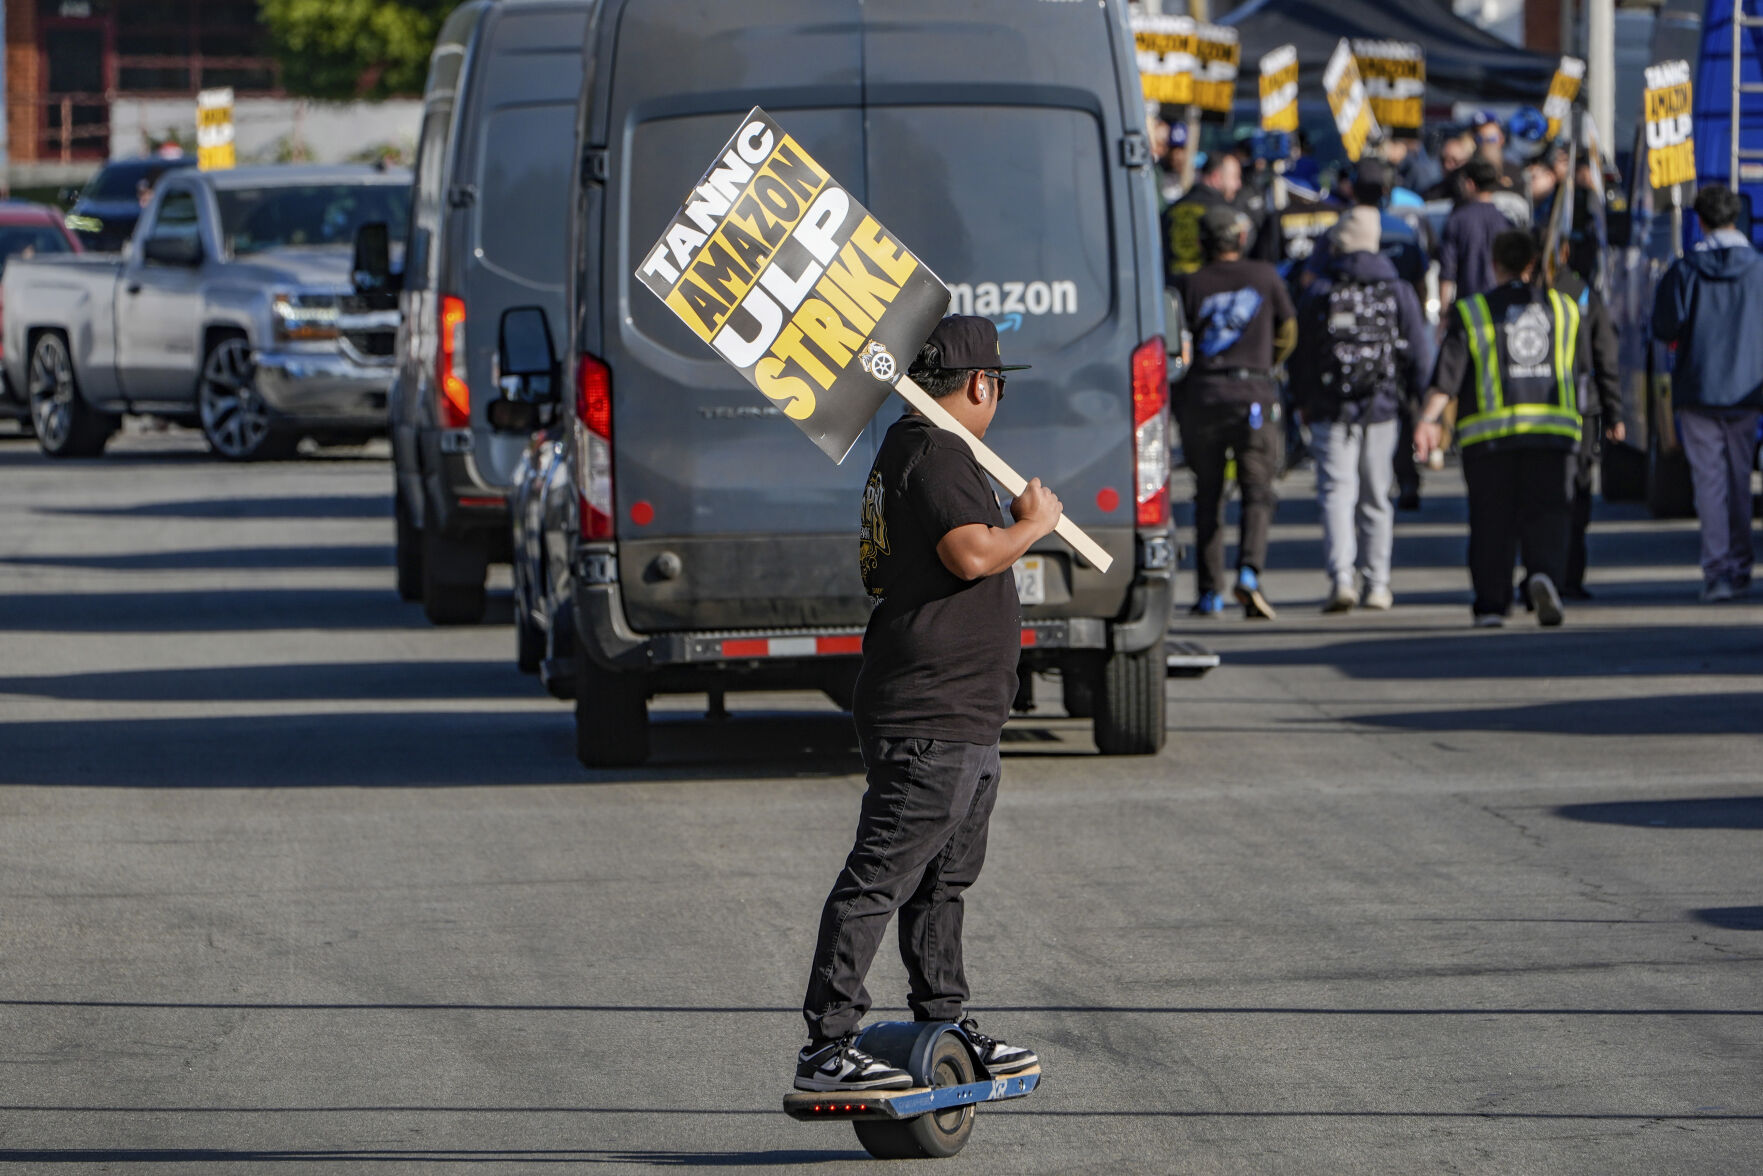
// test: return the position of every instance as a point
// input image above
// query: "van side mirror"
(371, 273)
(183, 251)
(526, 367)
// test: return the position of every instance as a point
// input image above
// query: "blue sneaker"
(1248, 594)
(1210, 604)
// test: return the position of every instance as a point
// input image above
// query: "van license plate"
(1031, 579)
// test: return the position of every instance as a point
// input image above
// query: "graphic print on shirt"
(872, 537)
(1527, 341)
(1224, 317)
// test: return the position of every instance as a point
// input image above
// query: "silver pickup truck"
(231, 309)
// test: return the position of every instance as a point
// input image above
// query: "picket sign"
(783, 273)
(1000, 469)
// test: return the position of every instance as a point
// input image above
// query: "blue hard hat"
(1529, 124)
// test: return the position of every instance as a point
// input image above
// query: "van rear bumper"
(607, 638)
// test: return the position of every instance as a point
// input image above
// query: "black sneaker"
(996, 1056)
(840, 1065)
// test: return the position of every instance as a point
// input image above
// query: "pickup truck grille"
(369, 336)
(371, 344)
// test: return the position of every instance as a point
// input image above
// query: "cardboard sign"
(791, 280)
(1349, 102)
(1563, 89)
(1395, 80)
(1215, 76)
(1671, 143)
(214, 130)
(1166, 48)
(1279, 90)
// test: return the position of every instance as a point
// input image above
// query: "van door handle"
(134, 287)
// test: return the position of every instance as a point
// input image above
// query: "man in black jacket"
(1363, 349)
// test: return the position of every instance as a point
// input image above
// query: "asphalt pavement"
(291, 881)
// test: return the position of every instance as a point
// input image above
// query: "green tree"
(353, 48)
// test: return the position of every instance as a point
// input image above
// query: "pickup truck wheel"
(235, 420)
(1129, 703)
(65, 424)
(408, 552)
(611, 716)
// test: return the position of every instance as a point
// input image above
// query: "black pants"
(1210, 435)
(1516, 495)
(1407, 471)
(1579, 509)
(921, 840)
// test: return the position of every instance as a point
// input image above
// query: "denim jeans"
(1719, 445)
(921, 840)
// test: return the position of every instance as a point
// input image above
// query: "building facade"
(69, 62)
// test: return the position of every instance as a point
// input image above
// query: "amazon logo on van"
(1011, 300)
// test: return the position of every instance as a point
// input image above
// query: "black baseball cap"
(970, 341)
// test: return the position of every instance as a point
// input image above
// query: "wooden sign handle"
(1000, 469)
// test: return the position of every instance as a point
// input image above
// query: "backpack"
(1364, 328)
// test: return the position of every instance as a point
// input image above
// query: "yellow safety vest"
(1496, 416)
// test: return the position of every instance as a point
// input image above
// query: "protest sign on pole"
(1394, 73)
(1217, 53)
(1166, 48)
(1348, 100)
(1279, 89)
(1671, 145)
(786, 276)
(1563, 89)
(214, 129)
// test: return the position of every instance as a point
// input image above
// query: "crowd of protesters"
(1305, 309)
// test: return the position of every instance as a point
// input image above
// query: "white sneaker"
(1716, 592)
(1489, 620)
(1546, 600)
(1378, 599)
(1341, 599)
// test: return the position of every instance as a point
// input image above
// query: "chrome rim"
(234, 418)
(52, 392)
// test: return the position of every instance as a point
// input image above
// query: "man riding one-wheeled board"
(784, 274)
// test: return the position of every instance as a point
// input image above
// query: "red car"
(28, 230)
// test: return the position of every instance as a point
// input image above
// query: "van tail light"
(593, 410)
(1150, 418)
(455, 394)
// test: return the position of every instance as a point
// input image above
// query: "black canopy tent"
(1463, 63)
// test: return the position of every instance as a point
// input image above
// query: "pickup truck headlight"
(304, 318)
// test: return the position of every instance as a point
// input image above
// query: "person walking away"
(1709, 304)
(1602, 409)
(1466, 241)
(1216, 184)
(1243, 324)
(1363, 348)
(1511, 360)
(1401, 243)
(938, 677)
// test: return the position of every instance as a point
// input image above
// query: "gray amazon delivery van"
(710, 546)
(494, 178)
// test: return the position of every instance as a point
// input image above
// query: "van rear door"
(763, 525)
(994, 151)
(522, 110)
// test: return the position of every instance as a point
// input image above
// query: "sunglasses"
(998, 379)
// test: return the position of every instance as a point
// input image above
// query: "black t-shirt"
(939, 658)
(1233, 310)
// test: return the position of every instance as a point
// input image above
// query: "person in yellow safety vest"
(1512, 358)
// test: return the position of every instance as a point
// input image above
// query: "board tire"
(1129, 702)
(937, 1135)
